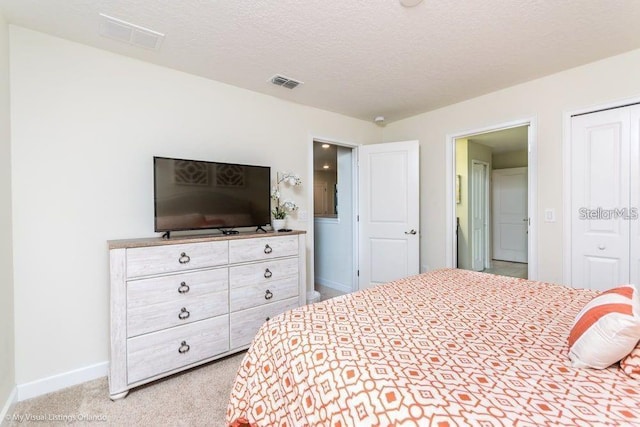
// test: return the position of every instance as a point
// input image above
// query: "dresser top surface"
(159, 241)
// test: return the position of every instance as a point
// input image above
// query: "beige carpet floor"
(197, 397)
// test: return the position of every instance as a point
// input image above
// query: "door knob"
(411, 232)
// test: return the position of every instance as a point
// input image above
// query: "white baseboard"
(7, 408)
(333, 285)
(60, 381)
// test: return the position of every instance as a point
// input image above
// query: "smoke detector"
(280, 80)
(379, 120)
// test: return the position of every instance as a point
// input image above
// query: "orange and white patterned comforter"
(449, 347)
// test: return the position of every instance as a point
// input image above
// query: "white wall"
(7, 348)
(86, 124)
(334, 236)
(546, 99)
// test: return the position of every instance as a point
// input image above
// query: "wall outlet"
(302, 215)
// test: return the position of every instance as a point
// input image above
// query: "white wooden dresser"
(182, 302)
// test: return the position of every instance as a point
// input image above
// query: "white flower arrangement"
(281, 209)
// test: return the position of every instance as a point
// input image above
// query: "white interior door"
(510, 214)
(634, 211)
(479, 193)
(600, 186)
(389, 212)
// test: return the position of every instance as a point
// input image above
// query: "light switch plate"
(549, 215)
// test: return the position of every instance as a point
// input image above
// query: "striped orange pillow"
(631, 363)
(606, 329)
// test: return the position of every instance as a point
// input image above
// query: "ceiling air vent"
(283, 81)
(129, 33)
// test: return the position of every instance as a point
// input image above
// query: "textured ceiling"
(361, 58)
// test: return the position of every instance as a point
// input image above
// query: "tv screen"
(193, 195)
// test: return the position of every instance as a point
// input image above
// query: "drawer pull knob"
(184, 288)
(268, 294)
(268, 249)
(184, 314)
(267, 273)
(268, 318)
(184, 258)
(184, 347)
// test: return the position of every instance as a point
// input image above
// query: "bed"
(445, 348)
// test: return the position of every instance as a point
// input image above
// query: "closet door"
(634, 213)
(600, 192)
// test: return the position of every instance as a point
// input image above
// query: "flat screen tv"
(195, 195)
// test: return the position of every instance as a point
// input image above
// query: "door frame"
(566, 175)
(532, 189)
(310, 223)
(486, 261)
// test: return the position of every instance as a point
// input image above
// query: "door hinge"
(357, 218)
(358, 273)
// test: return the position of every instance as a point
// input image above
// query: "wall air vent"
(129, 33)
(283, 81)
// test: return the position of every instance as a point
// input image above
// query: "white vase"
(278, 224)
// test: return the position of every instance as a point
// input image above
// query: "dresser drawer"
(262, 248)
(153, 354)
(169, 258)
(245, 323)
(175, 287)
(262, 293)
(141, 320)
(157, 303)
(262, 272)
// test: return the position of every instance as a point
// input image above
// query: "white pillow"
(606, 329)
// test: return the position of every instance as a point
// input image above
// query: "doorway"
(334, 219)
(490, 218)
(376, 184)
